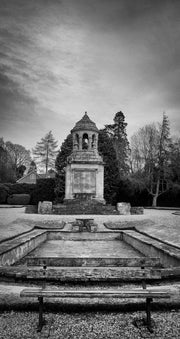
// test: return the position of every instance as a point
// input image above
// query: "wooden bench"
(150, 271)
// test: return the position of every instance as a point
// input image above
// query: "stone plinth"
(123, 208)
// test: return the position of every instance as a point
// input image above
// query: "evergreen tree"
(111, 173)
(117, 132)
(45, 151)
(60, 164)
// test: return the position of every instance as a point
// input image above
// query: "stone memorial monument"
(85, 167)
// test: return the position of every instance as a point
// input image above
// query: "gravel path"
(98, 325)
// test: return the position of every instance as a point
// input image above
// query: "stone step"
(80, 274)
(92, 262)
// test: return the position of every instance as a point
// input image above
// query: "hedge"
(42, 190)
(4, 192)
(18, 199)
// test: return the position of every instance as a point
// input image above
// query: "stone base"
(78, 206)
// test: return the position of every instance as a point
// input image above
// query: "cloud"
(60, 58)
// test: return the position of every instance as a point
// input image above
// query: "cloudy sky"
(59, 59)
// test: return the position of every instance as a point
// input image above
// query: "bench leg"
(148, 312)
(40, 325)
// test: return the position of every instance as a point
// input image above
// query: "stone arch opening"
(77, 141)
(85, 141)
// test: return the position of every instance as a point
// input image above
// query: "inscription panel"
(84, 181)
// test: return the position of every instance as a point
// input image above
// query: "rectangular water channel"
(97, 251)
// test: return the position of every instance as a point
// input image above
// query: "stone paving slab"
(80, 249)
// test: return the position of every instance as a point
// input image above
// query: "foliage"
(174, 162)
(7, 171)
(170, 198)
(45, 151)
(18, 199)
(133, 191)
(60, 164)
(111, 173)
(117, 132)
(4, 191)
(150, 157)
(44, 190)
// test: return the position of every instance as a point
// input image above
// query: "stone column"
(68, 184)
(90, 142)
(80, 141)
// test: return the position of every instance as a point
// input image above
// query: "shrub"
(4, 191)
(18, 199)
(170, 198)
(21, 188)
(44, 191)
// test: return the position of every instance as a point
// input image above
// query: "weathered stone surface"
(79, 274)
(45, 207)
(78, 206)
(85, 167)
(15, 249)
(92, 262)
(169, 255)
(123, 208)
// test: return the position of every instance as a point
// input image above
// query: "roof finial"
(85, 112)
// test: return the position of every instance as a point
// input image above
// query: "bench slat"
(31, 293)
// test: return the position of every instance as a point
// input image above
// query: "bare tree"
(20, 156)
(150, 157)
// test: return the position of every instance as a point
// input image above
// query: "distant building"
(33, 176)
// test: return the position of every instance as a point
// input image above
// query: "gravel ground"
(98, 325)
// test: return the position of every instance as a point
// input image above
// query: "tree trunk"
(155, 196)
(154, 202)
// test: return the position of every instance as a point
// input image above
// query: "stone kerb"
(137, 210)
(45, 207)
(124, 208)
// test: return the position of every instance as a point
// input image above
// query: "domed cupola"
(85, 135)
(85, 124)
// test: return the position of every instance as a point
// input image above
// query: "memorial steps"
(60, 256)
